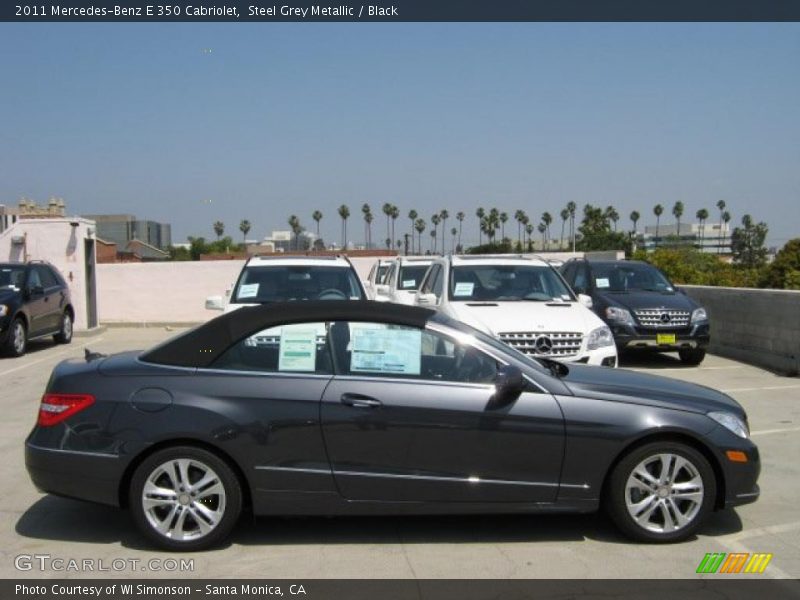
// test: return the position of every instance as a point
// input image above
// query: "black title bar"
(403, 11)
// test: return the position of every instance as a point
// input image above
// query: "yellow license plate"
(665, 338)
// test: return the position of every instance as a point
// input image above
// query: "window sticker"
(298, 348)
(464, 288)
(248, 290)
(602, 282)
(409, 283)
(390, 351)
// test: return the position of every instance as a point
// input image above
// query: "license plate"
(665, 338)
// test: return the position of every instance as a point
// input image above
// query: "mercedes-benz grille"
(660, 317)
(560, 344)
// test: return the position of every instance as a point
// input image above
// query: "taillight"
(57, 407)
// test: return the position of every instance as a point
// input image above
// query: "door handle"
(359, 401)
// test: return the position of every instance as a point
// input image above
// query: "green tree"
(658, 210)
(317, 216)
(366, 211)
(480, 213)
(393, 214)
(564, 214)
(419, 225)
(519, 215)
(503, 219)
(747, 243)
(612, 215)
(453, 233)
(435, 219)
(721, 207)
(387, 210)
(547, 218)
(412, 216)
(634, 217)
(596, 234)
(219, 228)
(571, 208)
(677, 212)
(702, 215)
(529, 231)
(460, 218)
(784, 271)
(444, 215)
(344, 214)
(297, 229)
(244, 227)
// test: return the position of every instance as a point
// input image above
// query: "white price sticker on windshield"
(409, 283)
(378, 350)
(464, 288)
(602, 282)
(298, 349)
(248, 290)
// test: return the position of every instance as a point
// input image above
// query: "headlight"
(699, 314)
(622, 315)
(3, 310)
(731, 422)
(599, 338)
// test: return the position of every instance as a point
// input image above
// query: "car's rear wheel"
(185, 498)
(17, 340)
(64, 336)
(661, 492)
(692, 356)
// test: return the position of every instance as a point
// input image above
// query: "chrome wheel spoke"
(164, 526)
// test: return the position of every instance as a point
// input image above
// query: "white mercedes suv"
(403, 279)
(522, 301)
(286, 278)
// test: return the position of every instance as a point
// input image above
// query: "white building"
(710, 237)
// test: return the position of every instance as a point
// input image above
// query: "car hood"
(8, 295)
(500, 317)
(636, 300)
(642, 388)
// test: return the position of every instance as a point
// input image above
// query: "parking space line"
(48, 357)
(759, 389)
(771, 431)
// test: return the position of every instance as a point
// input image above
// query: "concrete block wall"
(760, 327)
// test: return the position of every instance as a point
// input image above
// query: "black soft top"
(200, 347)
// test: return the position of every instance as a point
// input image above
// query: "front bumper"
(740, 479)
(630, 337)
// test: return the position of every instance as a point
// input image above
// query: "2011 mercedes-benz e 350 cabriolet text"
(342, 407)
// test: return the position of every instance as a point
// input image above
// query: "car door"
(409, 416)
(36, 303)
(270, 385)
(53, 299)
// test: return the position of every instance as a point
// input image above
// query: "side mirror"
(508, 384)
(214, 303)
(426, 299)
(585, 300)
(382, 290)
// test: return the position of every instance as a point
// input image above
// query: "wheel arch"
(672, 436)
(125, 480)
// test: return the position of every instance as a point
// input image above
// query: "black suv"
(34, 303)
(642, 307)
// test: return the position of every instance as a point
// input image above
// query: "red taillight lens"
(57, 407)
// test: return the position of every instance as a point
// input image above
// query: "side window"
(46, 277)
(438, 283)
(397, 351)
(296, 348)
(427, 283)
(581, 280)
(569, 273)
(34, 279)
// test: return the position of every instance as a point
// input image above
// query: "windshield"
(632, 276)
(381, 275)
(487, 283)
(12, 277)
(411, 276)
(279, 284)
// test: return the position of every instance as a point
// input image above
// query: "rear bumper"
(80, 475)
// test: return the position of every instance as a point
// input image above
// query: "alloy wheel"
(183, 499)
(19, 337)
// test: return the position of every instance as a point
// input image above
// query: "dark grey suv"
(348, 407)
(34, 303)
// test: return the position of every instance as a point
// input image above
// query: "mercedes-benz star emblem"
(543, 344)
(665, 318)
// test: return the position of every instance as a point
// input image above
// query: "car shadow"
(59, 519)
(34, 347)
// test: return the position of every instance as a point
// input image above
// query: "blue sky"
(288, 118)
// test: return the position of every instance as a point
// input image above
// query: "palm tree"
(367, 212)
(677, 212)
(635, 216)
(547, 218)
(564, 214)
(393, 214)
(412, 215)
(434, 237)
(419, 225)
(529, 231)
(387, 210)
(612, 215)
(435, 219)
(317, 216)
(297, 229)
(658, 210)
(219, 228)
(244, 227)
(571, 208)
(444, 215)
(460, 218)
(503, 219)
(721, 207)
(726, 218)
(480, 213)
(453, 232)
(492, 222)
(519, 217)
(542, 228)
(702, 215)
(344, 213)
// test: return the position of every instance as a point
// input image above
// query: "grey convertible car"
(330, 408)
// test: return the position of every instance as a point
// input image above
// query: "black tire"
(64, 336)
(695, 511)
(17, 338)
(228, 505)
(692, 356)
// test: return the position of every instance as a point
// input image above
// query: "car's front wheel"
(17, 340)
(185, 498)
(692, 356)
(64, 335)
(661, 492)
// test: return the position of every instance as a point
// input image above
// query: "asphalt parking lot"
(407, 547)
